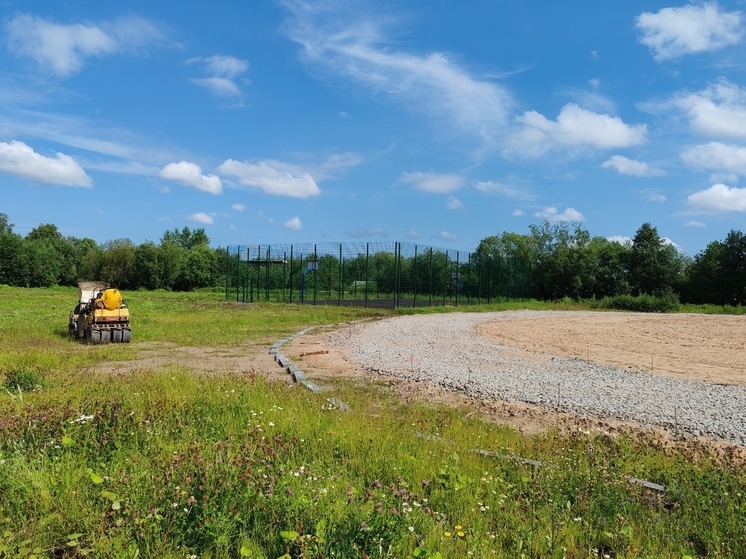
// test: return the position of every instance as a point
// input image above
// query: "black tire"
(105, 336)
(116, 336)
(95, 336)
(126, 335)
(87, 335)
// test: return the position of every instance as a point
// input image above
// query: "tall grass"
(168, 463)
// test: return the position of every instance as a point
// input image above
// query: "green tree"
(198, 271)
(171, 262)
(718, 273)
(118, 261)
(10, 251)
(146, 267)
(655, 266)
(186, 238)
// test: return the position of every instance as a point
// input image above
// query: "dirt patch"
(203, 360)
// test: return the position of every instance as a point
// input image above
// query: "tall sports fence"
(383, 274)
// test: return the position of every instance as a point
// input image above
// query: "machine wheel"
(116, 336)
(95, 336)
(105, 336)
(126, 335)
(87, 335)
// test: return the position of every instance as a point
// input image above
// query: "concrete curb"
(298, 375)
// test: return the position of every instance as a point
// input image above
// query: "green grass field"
(169, 463)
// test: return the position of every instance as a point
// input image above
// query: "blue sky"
(429, 121)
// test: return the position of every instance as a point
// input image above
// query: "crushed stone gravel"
(446, 350)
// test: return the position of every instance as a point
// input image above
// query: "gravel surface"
(446, 350)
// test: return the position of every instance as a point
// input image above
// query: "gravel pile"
(445, 349)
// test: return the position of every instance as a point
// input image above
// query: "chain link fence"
(384, 274)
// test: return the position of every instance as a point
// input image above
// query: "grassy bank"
(167, 463)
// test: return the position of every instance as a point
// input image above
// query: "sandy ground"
(704, 347)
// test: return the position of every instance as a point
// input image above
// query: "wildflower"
(460, 534)
(411, 528)
(447, 534)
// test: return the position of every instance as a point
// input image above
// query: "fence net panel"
(384, 274)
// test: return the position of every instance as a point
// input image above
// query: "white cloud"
(446, 236)
(517, 213)
(238, 207)
(692, 223)
(626, 166)
(270, 179)
(719, 110)
(351, 41)
(201, 217)
(414, 235)
(454, 203)
(717, 156)
(222, 73)
(492, 187)
(675, 32)
(575, 127)
(622, 240)
(294, 224)
(16, 158)
(433, 182)
(190, 174)
(63, 49)
(552, 215)
(654, 197)
(717, 199)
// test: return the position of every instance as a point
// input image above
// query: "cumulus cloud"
(719, 110)
(552, 215)
(17, 158)
(433, 182)
(294, 224)
(414, 235)
(271, 180)
(446, 236)
(517, 213)
(201, 217)
(64, 48)
(620, 239)
(238, 207)
(716, 156)
(190, 174)
(719, 198)
(675, 32)
(575, 127)
(692, 223)
(222, 74)
(454, 203)
(353, 42)
(626, 166)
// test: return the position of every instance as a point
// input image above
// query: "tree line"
(182, 261)
(565, 261)
(568, 262)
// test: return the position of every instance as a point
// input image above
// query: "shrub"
(666, 302)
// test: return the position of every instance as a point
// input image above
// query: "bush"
(666, 302)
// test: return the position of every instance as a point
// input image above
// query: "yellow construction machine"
(101, 315)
